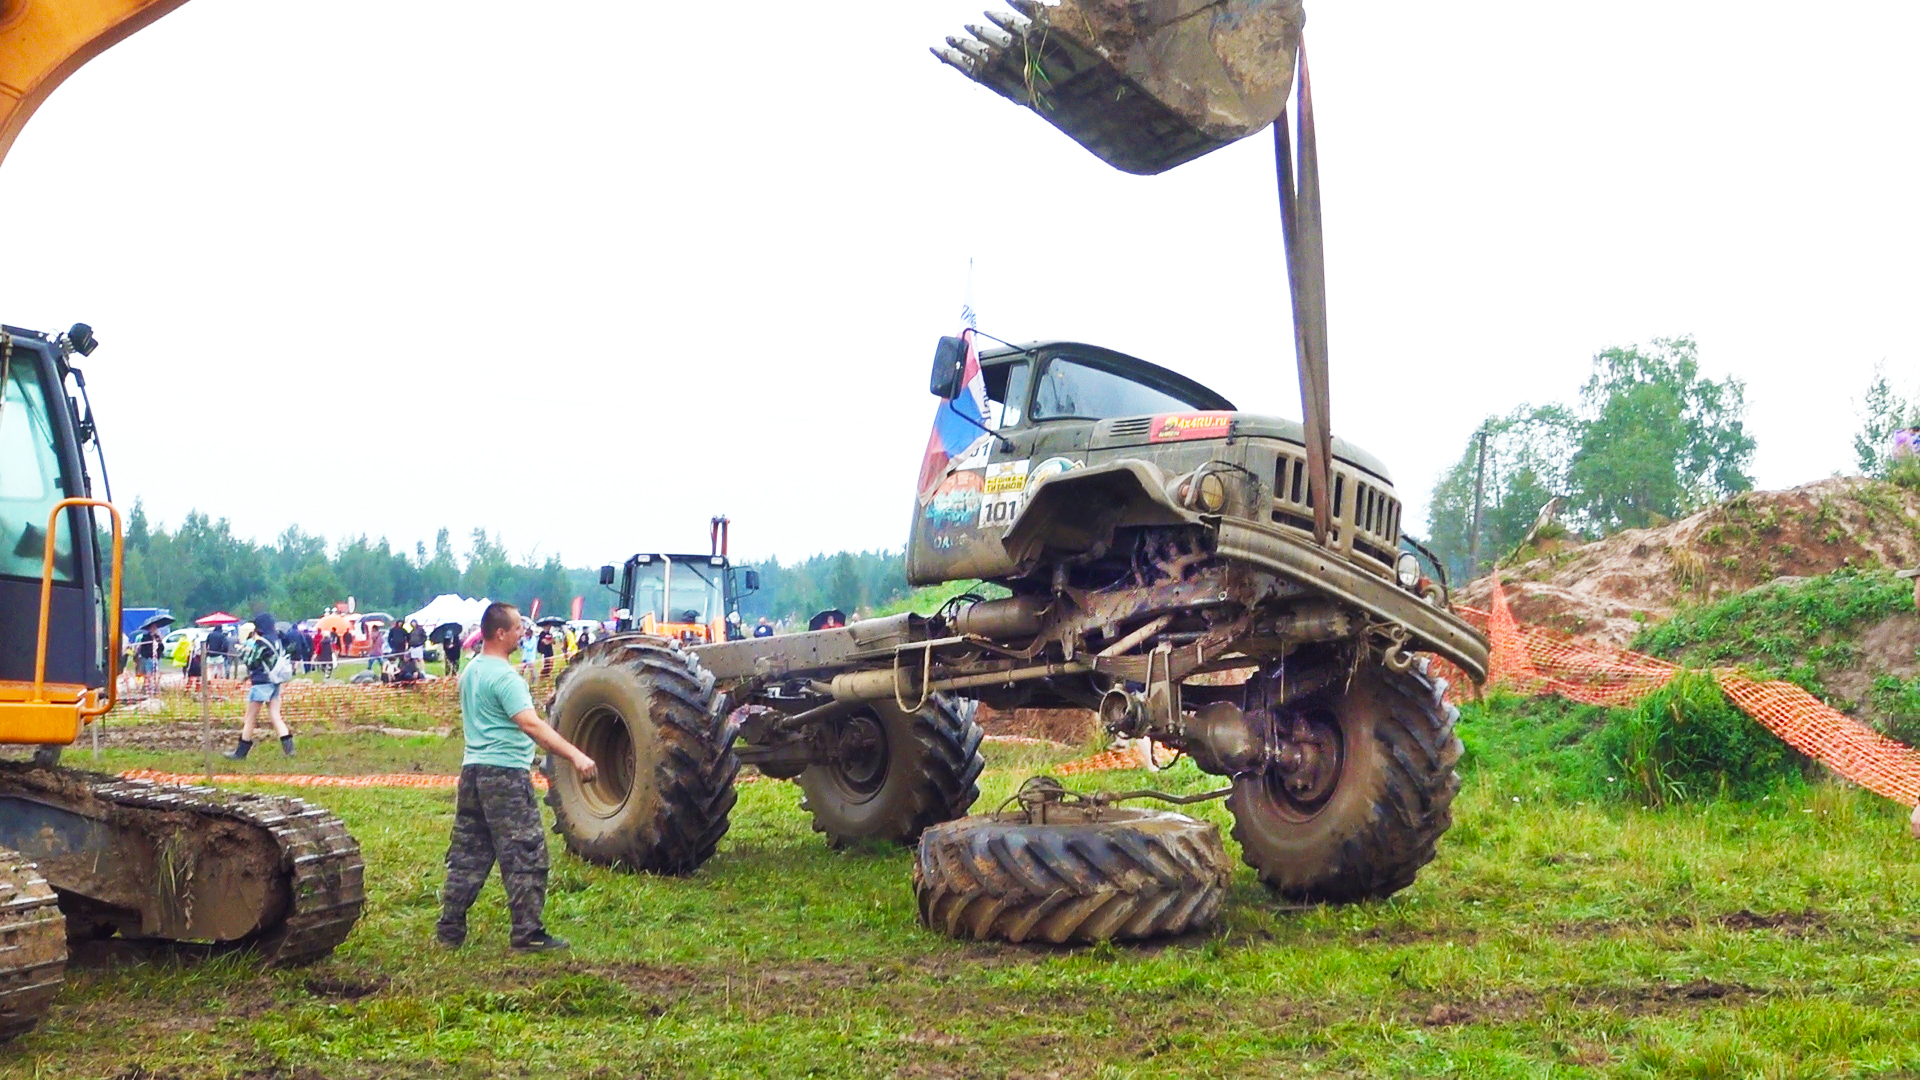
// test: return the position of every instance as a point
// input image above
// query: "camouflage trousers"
(497, 819)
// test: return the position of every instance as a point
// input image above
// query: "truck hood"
(1206, 426)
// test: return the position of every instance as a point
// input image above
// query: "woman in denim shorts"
(259, 654)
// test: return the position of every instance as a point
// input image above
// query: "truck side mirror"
(753, 580)
(949, 368)
(606, 575)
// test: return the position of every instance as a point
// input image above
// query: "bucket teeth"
(1143, 86)
(993, 36)
(975, 51)
(955, 59)
(1014, 25)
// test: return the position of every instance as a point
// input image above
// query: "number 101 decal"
(1006, 484)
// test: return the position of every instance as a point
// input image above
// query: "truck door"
(957, 525)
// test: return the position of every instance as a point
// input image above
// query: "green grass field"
(1554, 935)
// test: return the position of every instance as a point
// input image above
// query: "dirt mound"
(1608, 590)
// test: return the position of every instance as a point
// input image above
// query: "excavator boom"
(43, 41)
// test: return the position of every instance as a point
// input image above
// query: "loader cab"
(685, 597)
(1044, 402)
(41, 436)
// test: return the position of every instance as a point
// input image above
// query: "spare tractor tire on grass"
(899, 772)
(1085, 875)
(1365, 828)
(646, 712)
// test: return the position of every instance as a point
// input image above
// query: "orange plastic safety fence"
(400, 780)
(341, 704)
(387, 780)
(1832, 738)
(1536, 660)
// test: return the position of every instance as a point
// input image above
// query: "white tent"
(451, 607)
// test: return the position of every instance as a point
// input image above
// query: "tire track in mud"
(1790, 924)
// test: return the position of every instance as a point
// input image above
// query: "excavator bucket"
(1145, 85)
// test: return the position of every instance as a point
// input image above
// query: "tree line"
(201, 567)
(1650, 440)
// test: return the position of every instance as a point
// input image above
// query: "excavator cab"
(1145, 87)
(59, 630)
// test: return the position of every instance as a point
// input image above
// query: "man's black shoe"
(541, 942)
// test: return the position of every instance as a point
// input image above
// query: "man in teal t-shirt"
(497, 816)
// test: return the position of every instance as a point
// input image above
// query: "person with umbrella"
(153, 645)
(544, 644)
(262, 654)
(448, 635)
(216, 651)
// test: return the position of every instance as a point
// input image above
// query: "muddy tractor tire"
(647, 713)
(1367, 828)
(916, 769)
(1123, 874)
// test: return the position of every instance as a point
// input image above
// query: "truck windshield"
(1070, 389)
(695, 591)
(30, 480)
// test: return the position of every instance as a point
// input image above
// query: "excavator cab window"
(31, 479)
(1070, 389)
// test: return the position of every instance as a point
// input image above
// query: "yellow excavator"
(86, 856)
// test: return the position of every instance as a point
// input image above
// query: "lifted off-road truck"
(1229, 584)
(1149, 534)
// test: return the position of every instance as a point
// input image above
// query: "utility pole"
(1479, 493)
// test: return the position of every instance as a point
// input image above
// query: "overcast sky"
(584, 274)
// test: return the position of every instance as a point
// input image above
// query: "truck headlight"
(1210, 492)
(1407, 570)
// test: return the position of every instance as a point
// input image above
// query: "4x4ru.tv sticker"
(1176, 427)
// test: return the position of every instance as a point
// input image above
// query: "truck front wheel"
(894, 773)
(648, 715)
(1364, 818)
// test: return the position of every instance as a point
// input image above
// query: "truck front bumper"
(1433, 629)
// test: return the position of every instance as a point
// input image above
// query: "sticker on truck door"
(1006, 486)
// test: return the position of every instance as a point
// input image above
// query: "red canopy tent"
(218, 618)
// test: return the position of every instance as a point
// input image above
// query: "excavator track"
(298, 871)
(328, 886)
(33, 945)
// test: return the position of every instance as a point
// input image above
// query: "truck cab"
(1134, 444)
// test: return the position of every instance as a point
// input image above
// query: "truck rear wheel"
(899, 772)
(1365, 822)
(646, 712)
(1082, 875)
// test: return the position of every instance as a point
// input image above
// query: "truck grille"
(1366, 518)
(1130, 429)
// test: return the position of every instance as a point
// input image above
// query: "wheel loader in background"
(686, 598)
(90, 856)
(1227, 583)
